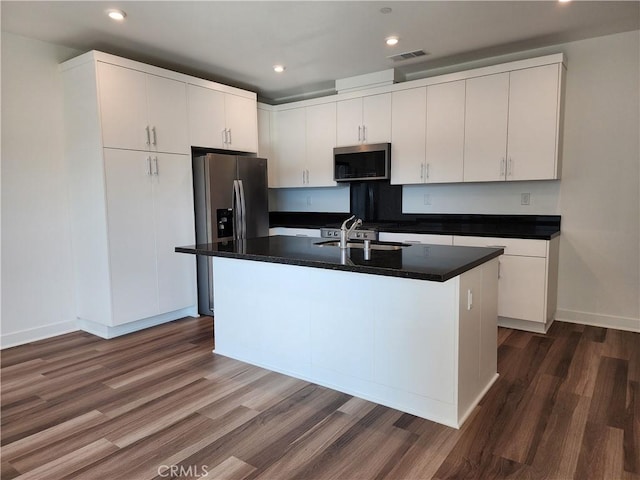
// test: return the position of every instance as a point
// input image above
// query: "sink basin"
(374, 245)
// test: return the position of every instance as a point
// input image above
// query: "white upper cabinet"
(289, 143)
(222, 120)
(321, 138)
(485, 138)
(445, 132)
(512, 125)
(427, 134)
(497, 123)
(364, 120)
(139, 111)
(408, 135)
(242, 123)
(532, 146)
(206, 117)
(303, 144)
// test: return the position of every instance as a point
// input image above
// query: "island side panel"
(477, 339)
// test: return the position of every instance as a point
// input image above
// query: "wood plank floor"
(158, 404)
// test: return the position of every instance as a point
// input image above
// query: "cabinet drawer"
(512, 246)
(416, 238)
(295, 232)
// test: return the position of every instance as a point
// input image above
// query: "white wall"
(37, 281)
(598, 196)
(600, 187)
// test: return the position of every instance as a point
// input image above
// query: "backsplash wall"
(473, 198)
(488, 198)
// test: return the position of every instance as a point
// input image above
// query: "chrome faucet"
(345, 232)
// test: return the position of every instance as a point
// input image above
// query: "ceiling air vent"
(407, 55)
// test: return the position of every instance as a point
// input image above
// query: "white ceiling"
(238, 42)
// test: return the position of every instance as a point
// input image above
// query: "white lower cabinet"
(148, 200)
(303, 141)
(295, 232)
(416, 238)
(528, 280)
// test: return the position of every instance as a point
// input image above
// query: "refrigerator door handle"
(243, 209)
(235, 204)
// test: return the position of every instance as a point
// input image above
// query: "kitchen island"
(410, 327)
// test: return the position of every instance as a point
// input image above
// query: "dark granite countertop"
(540, 227)
(422, 262)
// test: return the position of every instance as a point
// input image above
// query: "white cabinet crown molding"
(554, 58)
(98, 56)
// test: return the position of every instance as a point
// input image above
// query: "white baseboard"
(107, 332)
(599, 320)
(39, 333)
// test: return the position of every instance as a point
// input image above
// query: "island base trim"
(526, 325)
(403, 401)
(107, 332)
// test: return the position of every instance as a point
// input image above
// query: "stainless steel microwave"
(362, 162)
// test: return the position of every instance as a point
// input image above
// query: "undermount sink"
(373, 246)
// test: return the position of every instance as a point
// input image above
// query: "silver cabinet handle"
(307, 177)
(229, 141)
(303, 177)
(224, 136)
(364, 133)
(359, 133)
(502, 165)
(422, 172)
(509, 170)
(149, 166)
(499, 272)
(155, 164)
(155, 137)
(148, 135)
(427, 172)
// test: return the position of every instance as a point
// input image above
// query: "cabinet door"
(242, 122)
(174, 226)
(485, 141)
(123, 107)
(408, 129)
(132, 250)
(321, 138)
(265, 147)
(533, 123)
(445, 132)
(206, 117)
(290, 145)
(168, 115)
(521, 288)
(376, 118)
(349, 122)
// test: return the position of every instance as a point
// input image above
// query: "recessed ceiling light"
(392, 41)
(116, 14)
(564, 1)
(385, 10)
(279, 68)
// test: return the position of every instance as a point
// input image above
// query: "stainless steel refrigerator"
(231, 203)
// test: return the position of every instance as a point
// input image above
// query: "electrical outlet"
(525, 199)
(427, 199)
